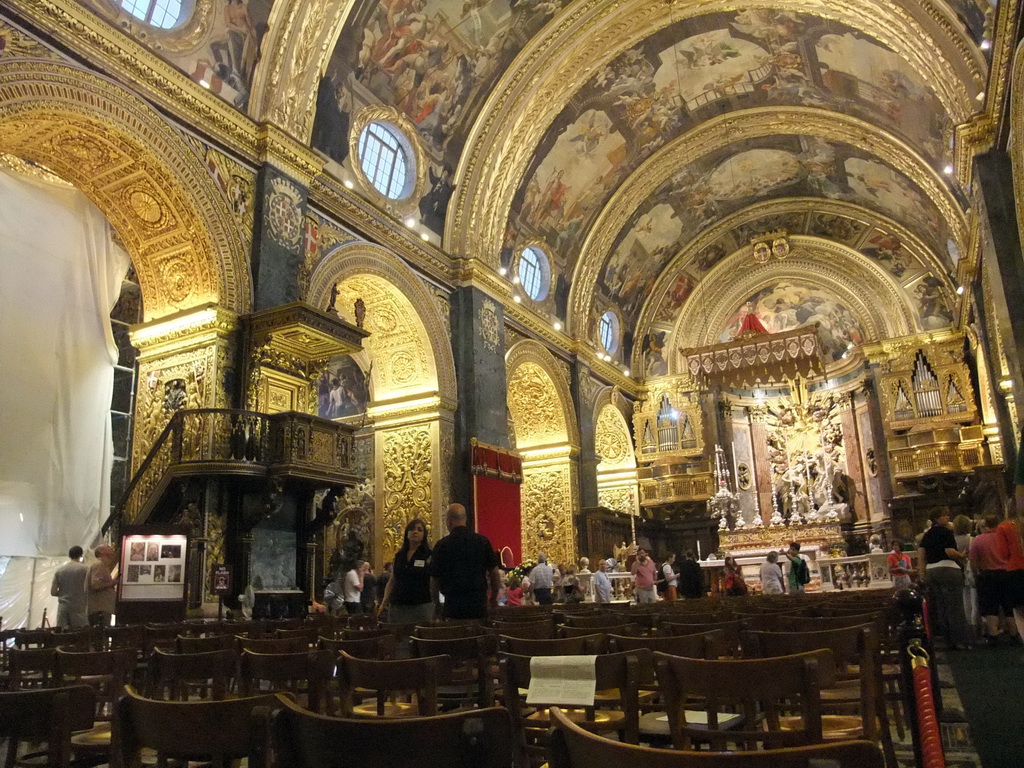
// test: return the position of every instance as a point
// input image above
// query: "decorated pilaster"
(478, 345)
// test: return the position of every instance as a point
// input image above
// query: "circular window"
(163, 14)
(609, 331)
(534, 273)
(385, 157)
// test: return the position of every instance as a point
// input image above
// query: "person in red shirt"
(644, 575)
(1011, 551)
(900, 566)
(990, 568)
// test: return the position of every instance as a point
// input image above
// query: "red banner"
(497, 476)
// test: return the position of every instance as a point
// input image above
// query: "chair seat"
(96, 739)
(391, 709)
(833, 727)
(604, 719)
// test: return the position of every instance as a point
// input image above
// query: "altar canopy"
(61, 275)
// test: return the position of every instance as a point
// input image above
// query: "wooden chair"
(479, 738)
(858, 680)
(531, 630)
(730, 632)
(128, 636)
(172, 676)
(564, 630)
(739, 703)
(377, 647)
(447, 631)
(385, 680)
(108, 672)
(304, 675)
(561, 646)
(594, 620)
(72, 640)
(472, 677)
(48, 715)
(29, 668)
(309, 634)
(362, 621)
(159, 636)
(190, 730)
(574, 747)
(381, 631)
(192, 644)
(271, 645)
(34, 638)
(617, 672)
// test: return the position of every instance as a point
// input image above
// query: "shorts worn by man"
(69, 587)
(462, 567)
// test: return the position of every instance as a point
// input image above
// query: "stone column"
(762, 477)
(854, 466)
(582, 387)
(875, 467)
(478, 346)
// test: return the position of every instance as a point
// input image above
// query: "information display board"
(153, 567)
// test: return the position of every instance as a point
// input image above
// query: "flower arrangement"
(522, 570)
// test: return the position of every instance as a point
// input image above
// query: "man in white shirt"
(541, 580)
(69, 587)
(772, 582)
(602, 584)
(668, 571)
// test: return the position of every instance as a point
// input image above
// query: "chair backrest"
(422, 675)
(48, 715)
(127, 636)
(190, 644)
(361, 634)
(574, 747)
(169, 674)
(75, 640)
(531, 630)
(160, 636)
(561, 646)
(564, 630)
(760, 690)
(376, 647)
(272, 645)
(707, 645)
(107, 672)
(34, 638)
(593, 620)
(472, 660)
(362, 621)
(446, 631)
(304, 674)
(480, 738)
(190, 729)
(730, 631)
(31, 668)
(309, 634)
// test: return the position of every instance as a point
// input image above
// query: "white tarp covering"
(60, 275)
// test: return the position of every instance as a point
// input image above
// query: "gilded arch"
(414, 392)
(616, 468)
(147, 181)
(547, 436)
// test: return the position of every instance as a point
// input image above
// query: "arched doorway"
(407, 359)
(547, 438)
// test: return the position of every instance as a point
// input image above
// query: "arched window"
(609, 331)
(385, 158)
(163, 14)
(535, 273)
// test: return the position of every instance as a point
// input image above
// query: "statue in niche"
(360, 312)
(332, 308)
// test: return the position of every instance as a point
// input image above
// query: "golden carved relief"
(535, 407)
(146, 180)
(407, 486)
(612, 441)
(547, 512)
(621, 499)
(14, 44)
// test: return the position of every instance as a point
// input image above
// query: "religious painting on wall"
(788, 304)
(932, 307)
(342, 390)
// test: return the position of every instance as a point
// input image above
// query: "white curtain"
(60, 275)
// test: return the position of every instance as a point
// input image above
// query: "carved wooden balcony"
(956, 450)
(226, 442)
(673, 483)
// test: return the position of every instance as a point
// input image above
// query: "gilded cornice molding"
(146, 179)
(868, 291)
(301, 38)
(1016, 147)
(280, 150)
(1005, 64)
(735, 128)
(971, 138)
(183, 330)
(584, 38)
(370, 259)
(327, 193)
(93, 39)
(888, 348)
(910, 241)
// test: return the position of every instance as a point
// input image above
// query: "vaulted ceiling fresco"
(640, 158)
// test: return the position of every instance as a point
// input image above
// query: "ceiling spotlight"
(502, 271)
(980, 96)
(948, 170)
(424, 237)
(986, 44)
(515, 280)
(348, 184)
(204, 83)
(410, 222)
(517, 299)
(959, 290)
(557, 325)
(626, 371)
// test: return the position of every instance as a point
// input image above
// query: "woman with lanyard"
(939, 564)
(407, 595)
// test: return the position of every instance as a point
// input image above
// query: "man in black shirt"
(464, 564)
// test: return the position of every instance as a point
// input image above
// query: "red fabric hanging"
(497, 476)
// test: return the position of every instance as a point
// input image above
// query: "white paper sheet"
(569, 681)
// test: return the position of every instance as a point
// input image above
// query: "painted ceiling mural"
(694, 70)
(736, 177)
(432, 60)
